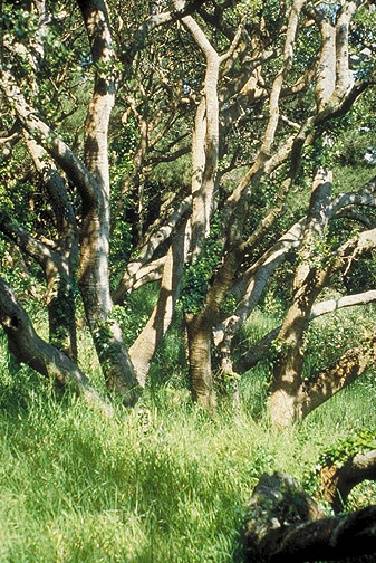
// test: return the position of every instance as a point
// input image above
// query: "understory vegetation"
(164, 481)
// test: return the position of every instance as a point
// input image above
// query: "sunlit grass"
(164, 482)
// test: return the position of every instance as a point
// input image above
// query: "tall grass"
(161, 483)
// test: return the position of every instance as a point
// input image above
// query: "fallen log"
(284, 524)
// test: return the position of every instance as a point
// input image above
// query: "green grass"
(161, 483)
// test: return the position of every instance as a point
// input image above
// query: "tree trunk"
(143, 349)
(30, 349)
(199, 347)
(94, 234)
(308, 282)
(326, 80)
(205, 140)
(283, 402)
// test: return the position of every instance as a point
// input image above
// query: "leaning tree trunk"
(41, 356)
(302, 397)
(58, 272)
(143, 349)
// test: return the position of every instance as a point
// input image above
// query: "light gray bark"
(259, 351)
(93, 272)
(205, 140)
(156, 236)
(308, 282)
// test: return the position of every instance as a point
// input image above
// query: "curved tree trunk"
(336, 483)
(205, 140)
(292, 399)
(30, 349)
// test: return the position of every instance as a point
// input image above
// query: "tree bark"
(143, 349)
(327, 383)
(60, 296)
(199, 348)
(61, 308)
(259, 351)
(326, 74)
(60, 267)
(94, 234)
(205, 140)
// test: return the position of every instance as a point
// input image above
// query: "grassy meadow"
(164, 482)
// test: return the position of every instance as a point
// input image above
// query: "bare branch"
(41, 252)
(153, 241)
(258, 351)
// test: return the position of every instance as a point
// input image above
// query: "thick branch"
(205, 139)
(50, 141)
(274, 98)
(58, 192)
(157, 20)
(258, 351)
(347, 369)
(153, 241)
(31, 246)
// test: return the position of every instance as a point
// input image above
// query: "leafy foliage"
(197, 276)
